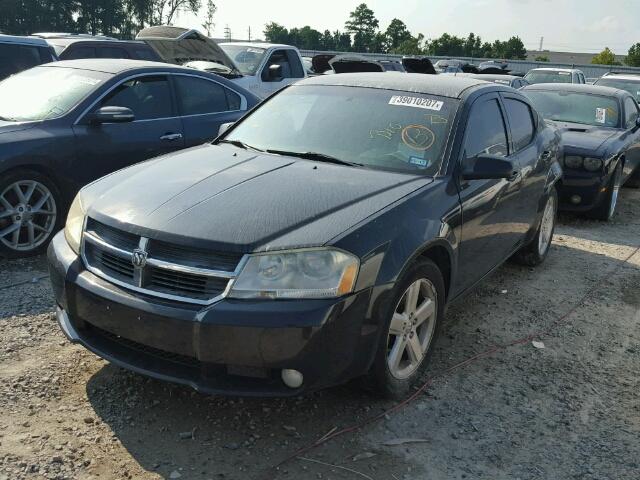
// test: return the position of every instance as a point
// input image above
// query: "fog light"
(576, 199)
(292, 378)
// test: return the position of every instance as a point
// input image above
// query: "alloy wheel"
(412, 328)
(28, 213)
(546, 226)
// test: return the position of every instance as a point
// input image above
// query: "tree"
(411, 46)
(342, 41)
(605, 57)
(633, 56)
(396, 34)
(165, 10)
(208, 19)
(542, 58)
(447, 46)
(512, 48)
(363, 25)
(276, 33)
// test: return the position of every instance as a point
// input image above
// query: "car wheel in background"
(30, 213)
(410, 330)
(634, 180)
(607, 207)
(536, 251)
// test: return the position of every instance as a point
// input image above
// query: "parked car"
(274, 262)
(21, 53)
(601, 133)
(352, 63)
(64, 124)
(510, 80)
(628, 82)
(418, 65)
(74, 47)
(261, 68)
(392, 66)
(555, 75)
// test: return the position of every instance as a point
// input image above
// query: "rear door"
(157, 128)
(489, 207)
(204, 105)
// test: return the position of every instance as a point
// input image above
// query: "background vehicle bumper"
(590, 189)
(233, 347)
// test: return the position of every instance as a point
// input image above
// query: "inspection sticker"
(417, 102)
(601, 115)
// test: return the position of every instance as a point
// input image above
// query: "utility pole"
(227, 33)
(249, 32)
(541, 42)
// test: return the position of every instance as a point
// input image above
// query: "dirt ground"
(570, 410)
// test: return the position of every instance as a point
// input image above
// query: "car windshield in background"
(247, 59)
(540, 76)
(382, 129)
(631, 86)
(45, 92)
(583, 108)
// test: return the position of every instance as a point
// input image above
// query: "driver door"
(156, 130)
(290, 70)
(489, 207)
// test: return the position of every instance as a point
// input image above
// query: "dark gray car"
(66, 124)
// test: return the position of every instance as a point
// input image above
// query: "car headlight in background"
(573, 161)
(75, 223)
(309, 273)
(592, 164)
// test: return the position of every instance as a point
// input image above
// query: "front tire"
(30, 213)
(410, 331)
(607, 207)
(537, 250)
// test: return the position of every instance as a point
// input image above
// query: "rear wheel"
(607, 208)
(29, 213)
(410, 331)
(536, 251)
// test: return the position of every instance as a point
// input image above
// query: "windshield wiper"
(239, 144)
(318, 157)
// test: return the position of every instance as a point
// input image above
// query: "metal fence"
(517, 66)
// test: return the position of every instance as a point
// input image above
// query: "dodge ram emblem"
(139, 258)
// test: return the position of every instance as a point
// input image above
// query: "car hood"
(584, 137)
(179, 46)
(224, 198)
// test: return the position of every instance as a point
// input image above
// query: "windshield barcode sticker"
(601, 115)
(417, 102)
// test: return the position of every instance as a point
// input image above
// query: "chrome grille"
(170, 271)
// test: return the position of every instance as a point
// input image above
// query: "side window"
(297, 70)
(46, 54)
(486, 131)
(521, 122)
(630, 112)
(80, 52)
(233, 100)
(148, 97)
(15, 58)
(279, 57)
(197, 96)
(144, 54)
(112, 52)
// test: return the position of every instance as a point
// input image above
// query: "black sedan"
(601, 134)
(275, 261)
(64, 124)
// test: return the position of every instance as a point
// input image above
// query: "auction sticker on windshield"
(601, 115)
(417, 102)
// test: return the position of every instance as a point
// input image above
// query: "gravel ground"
(568, 410)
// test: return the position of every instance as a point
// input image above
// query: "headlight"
(592, 164)
(312, 273)
(75, 222)
(573, 161)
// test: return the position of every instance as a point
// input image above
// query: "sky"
(566, 25)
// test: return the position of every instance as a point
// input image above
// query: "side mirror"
(112, 115)
(487, 167)
(275, 72)
(224, 127)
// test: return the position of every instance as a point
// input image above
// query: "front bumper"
(590, 187)
(235, 347)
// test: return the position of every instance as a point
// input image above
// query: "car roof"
(441, 85)
(113, 65)
(66, 41)
(622, 76)
(18, 40)
(257, 45)
(578, 88)
(490, 76)
(555, 69)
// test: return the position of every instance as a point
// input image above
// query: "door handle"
(514, 176)
(545, 155)
(170, 137)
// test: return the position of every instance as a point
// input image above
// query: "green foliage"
(396, 34)
(542, 58)
(276, 33)
(605, 57)
(208, 23)
(363, 25)
(633, 56)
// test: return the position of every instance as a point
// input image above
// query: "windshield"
(45, 92)
(247, 59)
(588, 109)
(631, 86)
(377, 128)
(544, 76)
